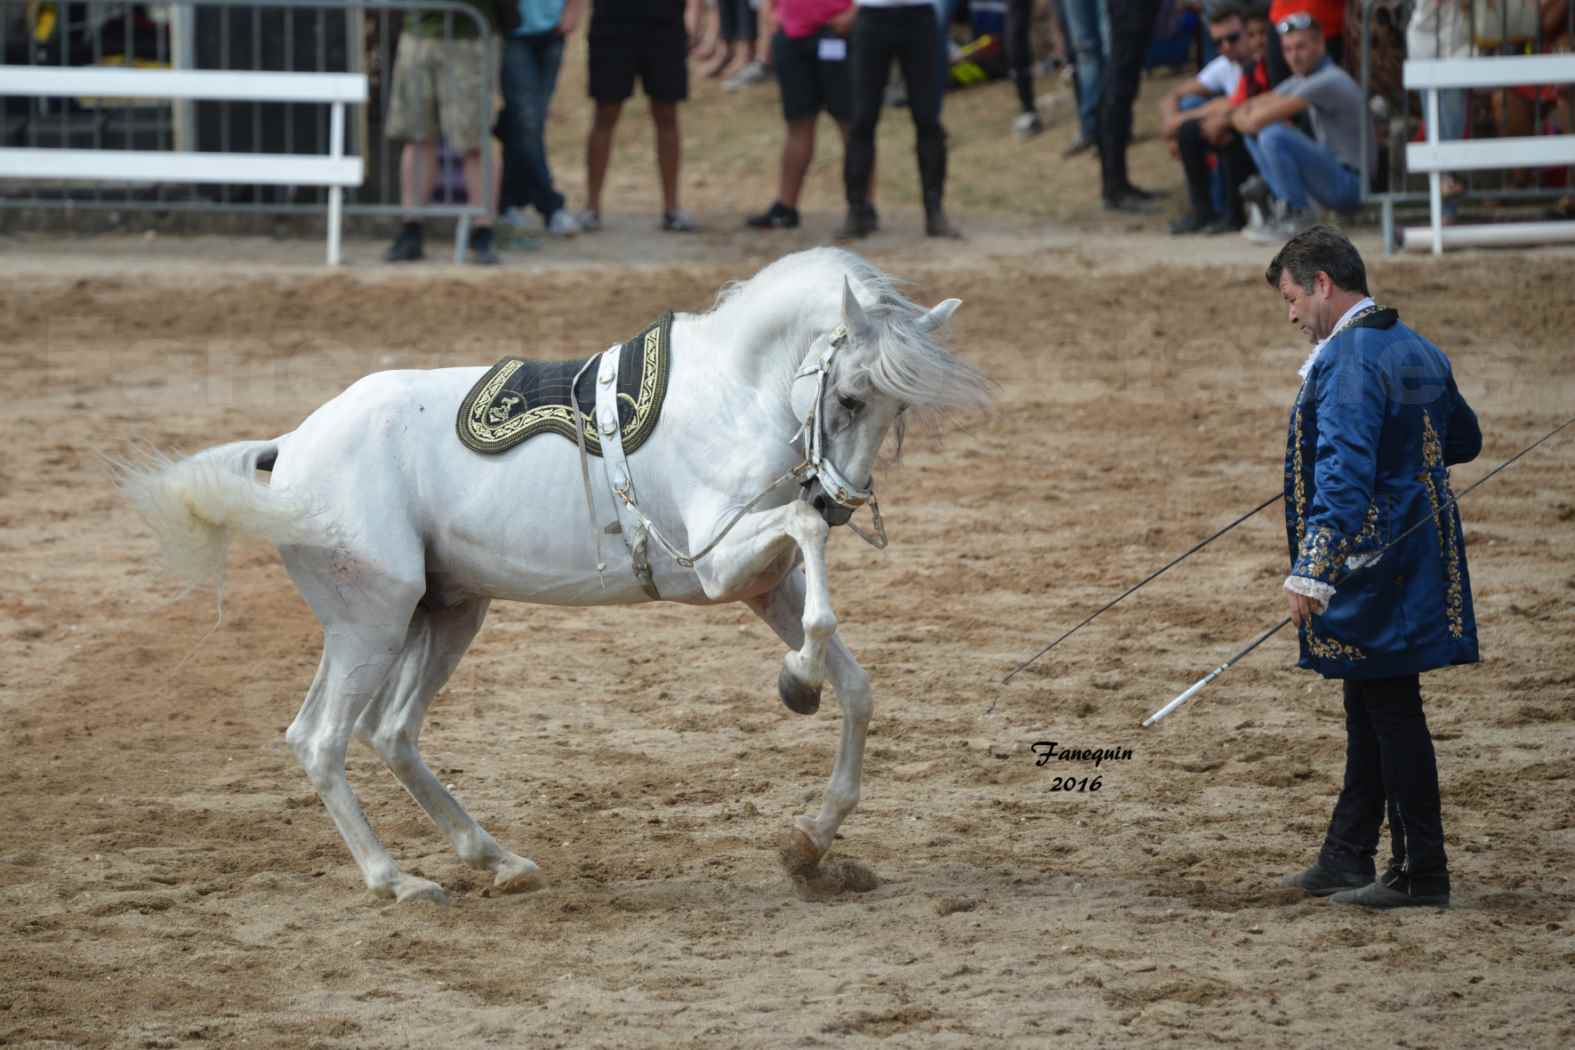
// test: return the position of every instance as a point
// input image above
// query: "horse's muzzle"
(832, 512)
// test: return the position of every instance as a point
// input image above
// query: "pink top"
(801, 18)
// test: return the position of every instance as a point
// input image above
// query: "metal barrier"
(1482, 28)
(320, 36)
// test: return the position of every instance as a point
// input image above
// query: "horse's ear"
(853, 315)
(938, 315)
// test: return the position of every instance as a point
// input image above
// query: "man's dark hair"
(1320, 248)
(1255, 13)
(1224, 11)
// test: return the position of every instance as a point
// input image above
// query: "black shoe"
(1320, 881)
(1079, 145)
(1142, 195)
(860, 223)
(777, 217)
(1192, 222)
(1381, 897)
(937, 225)
(1225, 224)
(481, 250)
(1129, 205)
(407, 246)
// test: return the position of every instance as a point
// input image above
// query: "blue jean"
(529, 77)
(1088, 26)
(1297, 168)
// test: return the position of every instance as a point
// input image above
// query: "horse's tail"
(196, 505)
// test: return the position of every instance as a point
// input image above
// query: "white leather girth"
(631, 523)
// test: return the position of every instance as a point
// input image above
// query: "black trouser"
(907, 34)
(1235, 164)
(1131, 29)
(1389, 765)
(1020, 50)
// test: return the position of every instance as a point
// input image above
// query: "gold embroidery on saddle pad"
(497, 415)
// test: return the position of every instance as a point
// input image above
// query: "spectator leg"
(1131, 28)
(1301, 171)
(1194, 150)
(417, 174)
(598, 151)
(1236, 167)
(530, 76)
(918, 61)
(1020, 52)
(798, 150)
(1088, 26)
(869, 58)
(668, 149)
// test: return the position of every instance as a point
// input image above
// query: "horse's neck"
(760, 351)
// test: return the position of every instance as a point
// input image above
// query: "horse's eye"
(852, 404)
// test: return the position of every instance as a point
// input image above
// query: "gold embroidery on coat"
(1333, 649)
(1444, 524)
(1296, 469)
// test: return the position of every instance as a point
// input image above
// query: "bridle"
(809, 391)
(815, 464)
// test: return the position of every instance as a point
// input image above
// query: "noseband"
(807, 396)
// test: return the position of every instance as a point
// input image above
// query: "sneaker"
(860, 223)
(679, 221)
(562, 224)
(777, 217)
(482, 252)
(407, 246)
(1225, 224)
(937, 225)
(752, 73)
(1130, 190)
(589, 220)
(1127, 204)
(1027, 125)
(1079, 145)
(1319, 881)
(1255, 190)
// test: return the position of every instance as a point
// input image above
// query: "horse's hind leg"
(783, 610)
(434, 645)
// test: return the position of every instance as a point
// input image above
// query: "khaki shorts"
(442, 86)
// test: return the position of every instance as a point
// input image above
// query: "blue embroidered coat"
(1376, 424)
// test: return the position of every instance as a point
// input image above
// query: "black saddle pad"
(518, 399)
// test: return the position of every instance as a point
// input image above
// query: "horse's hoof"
(798, 854)
(411, 888)
(799, 698)
(518, 875)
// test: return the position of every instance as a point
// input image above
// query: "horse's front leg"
(755, 550)
(784, 609)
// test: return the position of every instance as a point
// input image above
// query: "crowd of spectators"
(1268, 132)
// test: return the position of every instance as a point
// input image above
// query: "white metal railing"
(334, 171)
(1435, 157)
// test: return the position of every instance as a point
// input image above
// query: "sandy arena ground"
(169, 879)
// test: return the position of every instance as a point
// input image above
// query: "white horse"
(398, 536)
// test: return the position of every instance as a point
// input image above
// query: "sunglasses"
(1291, 23)
(1228, 38)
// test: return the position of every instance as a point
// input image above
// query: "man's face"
(1308, 308)
(1303, 50)
(1257, 39)
(1230, 37)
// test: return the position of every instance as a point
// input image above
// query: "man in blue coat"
(1376, 425)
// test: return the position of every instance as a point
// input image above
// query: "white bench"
(335, 171)
(1435, 157)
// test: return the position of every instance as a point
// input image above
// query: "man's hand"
(1216, 127)
(1302, 608)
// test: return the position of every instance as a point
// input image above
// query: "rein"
(814, 464)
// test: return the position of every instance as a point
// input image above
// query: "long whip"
(1142, 583)
(1193, 690)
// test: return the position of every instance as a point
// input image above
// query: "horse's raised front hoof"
(518, 875)
(411, 888)
(799, 698)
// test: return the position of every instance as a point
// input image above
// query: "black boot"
(407, 246)
(861, 221)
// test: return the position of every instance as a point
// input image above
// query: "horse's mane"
(797, 298)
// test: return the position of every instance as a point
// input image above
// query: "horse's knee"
(322, 762)
(853, 691)
(398, 751)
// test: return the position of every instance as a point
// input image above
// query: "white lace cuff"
(1320, 593)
